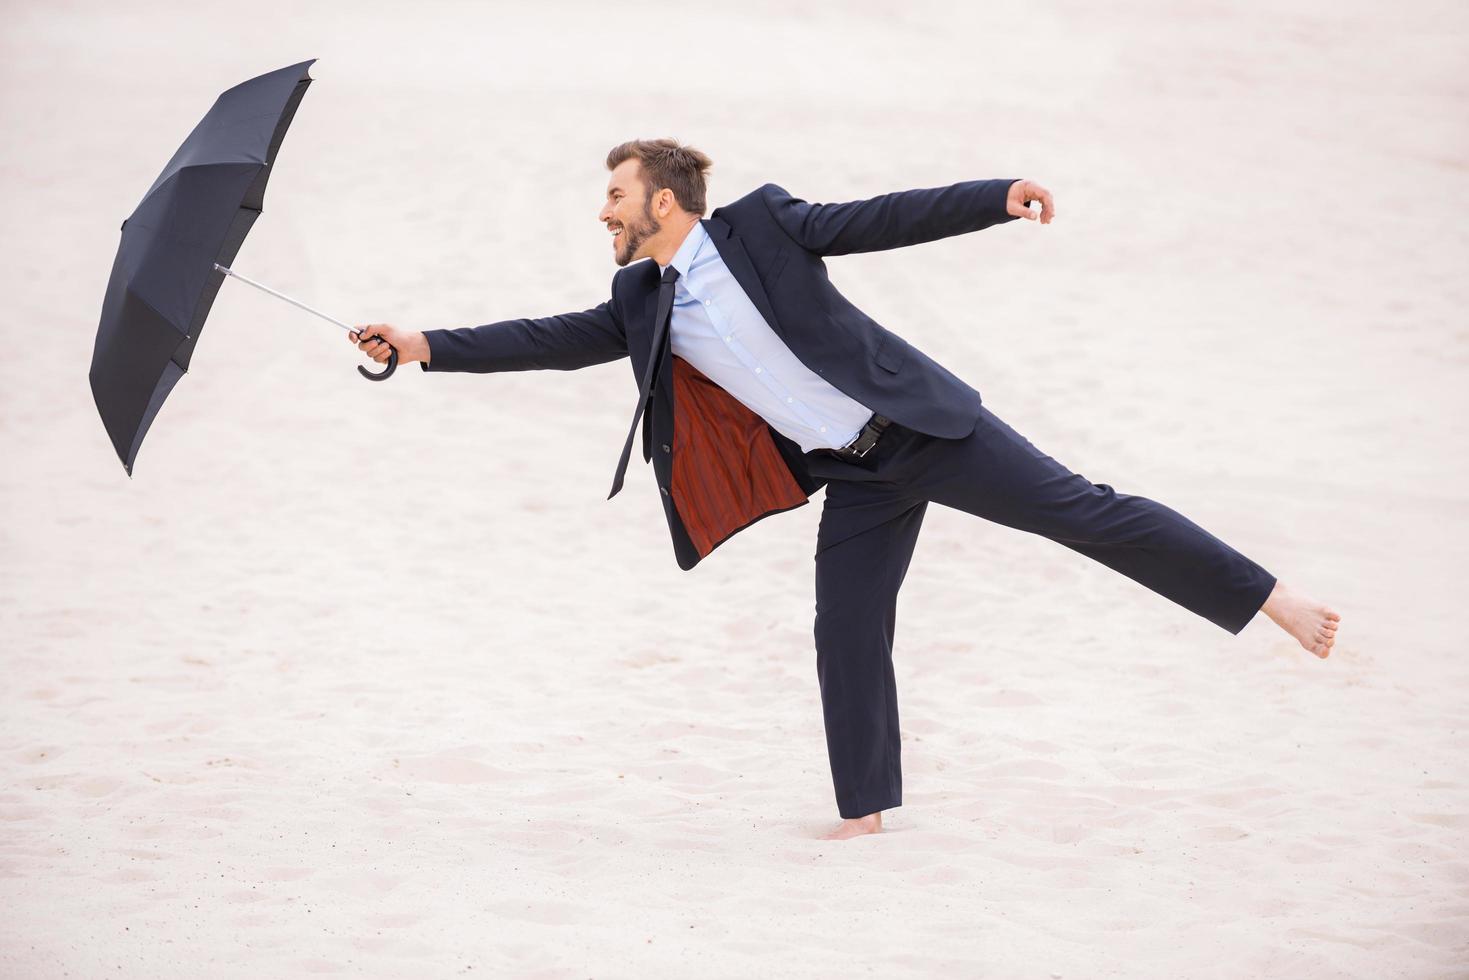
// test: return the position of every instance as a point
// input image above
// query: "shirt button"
(729, 336)
(787, 399)
(823, 428)
(758, 370)
(706, 302)
(665, 448)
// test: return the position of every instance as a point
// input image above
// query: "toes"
(1319, 645)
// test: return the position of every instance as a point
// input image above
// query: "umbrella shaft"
(231, 272)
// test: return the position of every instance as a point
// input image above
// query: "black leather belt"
(866, 439)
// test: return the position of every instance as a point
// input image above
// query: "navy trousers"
(869, 525)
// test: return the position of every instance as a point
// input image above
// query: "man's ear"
(664, 205)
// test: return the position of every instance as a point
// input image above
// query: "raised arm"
(902, 217)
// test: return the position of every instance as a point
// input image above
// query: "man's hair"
(665, 163)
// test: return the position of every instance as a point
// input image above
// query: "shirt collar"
(684, 257)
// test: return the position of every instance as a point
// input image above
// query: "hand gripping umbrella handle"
(386, 372)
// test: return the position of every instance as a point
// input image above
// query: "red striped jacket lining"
(727, 470)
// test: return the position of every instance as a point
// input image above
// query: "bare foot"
(1312, 623)
(870, 824)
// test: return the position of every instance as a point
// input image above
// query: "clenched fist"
(412, 344)
(1022, 192)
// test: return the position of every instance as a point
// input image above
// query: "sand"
(373, 680)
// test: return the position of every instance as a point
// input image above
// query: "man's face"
(628, 212)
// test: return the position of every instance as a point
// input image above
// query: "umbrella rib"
(167, 177)
(157, 312)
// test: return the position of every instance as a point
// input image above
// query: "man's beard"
(633, 236)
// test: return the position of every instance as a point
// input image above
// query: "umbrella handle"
(386, 372)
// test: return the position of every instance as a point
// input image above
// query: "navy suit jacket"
(775, 246)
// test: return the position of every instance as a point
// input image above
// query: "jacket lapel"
(732, 251)
(641, 323)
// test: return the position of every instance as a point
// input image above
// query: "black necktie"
(660, 327)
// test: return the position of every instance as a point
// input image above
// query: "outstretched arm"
(563, 342)
(904, 217)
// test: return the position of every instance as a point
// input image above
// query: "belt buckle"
(859, 453)
(876, 435)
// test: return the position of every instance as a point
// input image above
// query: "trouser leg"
(997, 474)
(864, 546)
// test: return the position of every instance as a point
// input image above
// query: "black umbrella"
(177, 246)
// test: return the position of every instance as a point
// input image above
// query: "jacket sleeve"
(563, 342)
(890, 220)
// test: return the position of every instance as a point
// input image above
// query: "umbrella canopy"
(164, 279)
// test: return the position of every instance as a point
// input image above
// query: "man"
(759, 383)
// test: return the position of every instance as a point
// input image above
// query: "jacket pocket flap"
(891, 351)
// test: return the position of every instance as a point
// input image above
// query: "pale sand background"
(372, 679)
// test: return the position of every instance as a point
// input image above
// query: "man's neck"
(665, 255)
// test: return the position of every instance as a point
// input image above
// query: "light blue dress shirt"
(717, 329)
